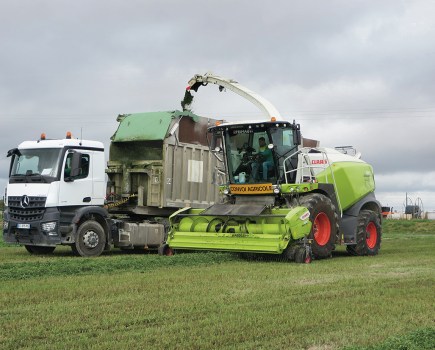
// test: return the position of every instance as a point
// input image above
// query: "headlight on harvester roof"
(226, 191)
(276, 189)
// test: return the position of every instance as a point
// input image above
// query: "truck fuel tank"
(144, 234)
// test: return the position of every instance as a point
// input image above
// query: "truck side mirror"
(76, 165)
(13, 153)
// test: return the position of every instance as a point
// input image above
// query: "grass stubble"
(216, 300)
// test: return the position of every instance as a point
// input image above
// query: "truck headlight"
(48, 226)
(5, 225)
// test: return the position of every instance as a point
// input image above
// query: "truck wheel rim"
(90, 239)
(372, 235)
(322, 229)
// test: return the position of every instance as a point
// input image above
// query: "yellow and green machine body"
(304, 196)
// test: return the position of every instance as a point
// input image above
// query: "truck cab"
(49, 180)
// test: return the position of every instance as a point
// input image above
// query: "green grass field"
(217, 301)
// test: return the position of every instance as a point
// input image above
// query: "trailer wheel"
(368, 234)
(324, 232)
(90, 239)
(34, 249)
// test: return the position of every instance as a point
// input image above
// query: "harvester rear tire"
(368, 234)
(324, 232)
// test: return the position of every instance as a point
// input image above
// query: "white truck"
(57, 192)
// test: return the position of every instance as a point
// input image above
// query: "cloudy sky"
(358, 73)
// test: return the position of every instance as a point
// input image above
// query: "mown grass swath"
(213, 300)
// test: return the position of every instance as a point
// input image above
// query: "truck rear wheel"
(324, 232)
(90, 239)
(368, 234)
(34, 249)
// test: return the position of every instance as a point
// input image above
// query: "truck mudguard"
(89, 211)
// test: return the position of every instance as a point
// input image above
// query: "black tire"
(165, 250)
(39, 250)
(324, 232)
(90, 239)
(368, 234)
(302, 256)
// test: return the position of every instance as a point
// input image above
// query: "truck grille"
(24, 208)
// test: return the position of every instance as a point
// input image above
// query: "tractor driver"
(264, 159)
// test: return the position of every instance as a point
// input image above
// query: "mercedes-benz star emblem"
(25, 201)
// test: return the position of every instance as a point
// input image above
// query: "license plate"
(27, 226)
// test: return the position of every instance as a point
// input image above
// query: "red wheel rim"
(322, 229)
(372, 235)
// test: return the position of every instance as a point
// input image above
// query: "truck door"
(77, 189)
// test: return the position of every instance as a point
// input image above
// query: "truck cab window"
(84, 167)
(41, 162)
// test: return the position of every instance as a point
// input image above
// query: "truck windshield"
(42, 164)
(256, 152)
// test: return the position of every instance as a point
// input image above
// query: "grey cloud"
(358, 73)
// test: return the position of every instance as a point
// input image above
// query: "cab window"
(84, 168)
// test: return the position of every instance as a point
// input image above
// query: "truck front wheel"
(90, 239)
(324, 232)
(368, 234)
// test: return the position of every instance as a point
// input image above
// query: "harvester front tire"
(90, 239)
(38, 250)
(324, 232)
(368, 234)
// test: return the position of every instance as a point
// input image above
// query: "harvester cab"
(257, 153)
(279, 198)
